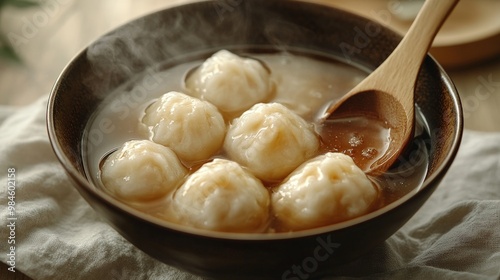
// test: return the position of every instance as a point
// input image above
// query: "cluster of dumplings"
(238, 174)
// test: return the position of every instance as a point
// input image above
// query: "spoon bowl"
(387, 94)
(379, 105)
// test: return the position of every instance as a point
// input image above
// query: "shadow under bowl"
(184, 31)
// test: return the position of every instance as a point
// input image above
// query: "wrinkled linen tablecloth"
(455, 235)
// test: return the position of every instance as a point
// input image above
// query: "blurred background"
(47, 35)
(38, 38)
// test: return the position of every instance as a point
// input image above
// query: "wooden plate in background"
(470, 35)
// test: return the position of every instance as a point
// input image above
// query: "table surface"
(49, 36)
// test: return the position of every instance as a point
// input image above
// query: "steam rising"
(183, 31)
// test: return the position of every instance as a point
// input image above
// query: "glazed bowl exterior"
(204, 27)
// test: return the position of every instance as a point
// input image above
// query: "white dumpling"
(222, 196)
(193, 128)
(270, 140)
(142, 170)
(325, 190)
(230, 82)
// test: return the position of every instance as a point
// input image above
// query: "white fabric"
(456, 235)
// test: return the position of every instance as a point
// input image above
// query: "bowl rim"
(83, 182)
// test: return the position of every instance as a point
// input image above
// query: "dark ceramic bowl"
(186, 31)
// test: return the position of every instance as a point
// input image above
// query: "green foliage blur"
(7, 52)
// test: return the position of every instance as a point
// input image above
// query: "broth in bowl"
(219, 186)
(105, 91)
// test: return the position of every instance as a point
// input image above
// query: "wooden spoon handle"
(416, 43)
(398, 73)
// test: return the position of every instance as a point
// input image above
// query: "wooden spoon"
(388, 92)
